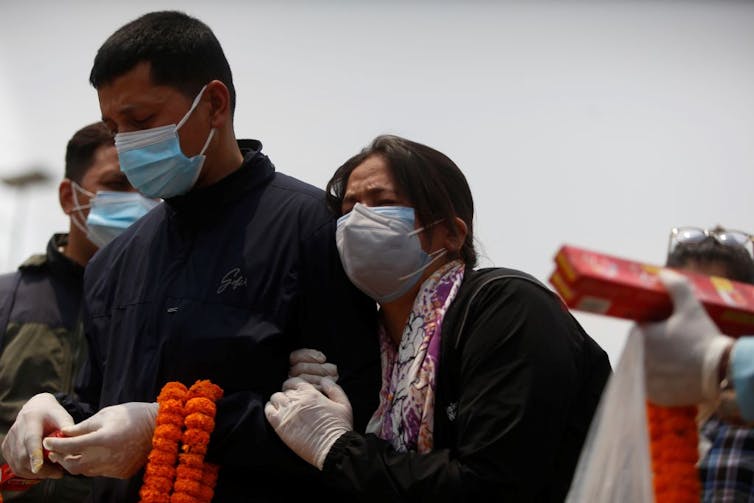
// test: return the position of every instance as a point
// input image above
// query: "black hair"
(79, 153)
(433, 183)
(182, 51)
(735, 259)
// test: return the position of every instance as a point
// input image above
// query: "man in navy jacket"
(234, 270)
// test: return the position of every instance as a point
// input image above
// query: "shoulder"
(8, 282)
(303, 203)
(300, 195)
(500, 306)
(298, 187)
(496, 288)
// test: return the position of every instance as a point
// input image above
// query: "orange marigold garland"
(176, 471)
(673, 438)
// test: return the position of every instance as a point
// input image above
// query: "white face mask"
(380, 250)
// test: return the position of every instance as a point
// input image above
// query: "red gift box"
(603, 284)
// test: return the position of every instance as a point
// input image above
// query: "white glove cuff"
(711, 364)
(326, 445)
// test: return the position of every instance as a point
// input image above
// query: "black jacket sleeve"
(326, 313)
(521, 369)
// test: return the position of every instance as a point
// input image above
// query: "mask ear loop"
(433, 257)
(74, 213)
(193, 107)
(421, 229)
(206, 143)
(188, 114)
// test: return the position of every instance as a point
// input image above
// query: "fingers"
(295, 383)
(48, 471)
(58, 418)
(73, 445)
(271, 412)
(31, 441)
(86, 426)
(306, 355)
(279, 400)
(334, 392)
(319, 369)
(73, 463)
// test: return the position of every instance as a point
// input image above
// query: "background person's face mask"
(110, 213)
(153, 161)
(381, 251)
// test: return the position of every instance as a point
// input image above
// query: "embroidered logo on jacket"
(233, 279)
(451, 411)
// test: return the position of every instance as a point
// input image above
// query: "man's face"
(133, 103)
(104, 174)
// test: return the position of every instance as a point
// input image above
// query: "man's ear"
(65, 196)
(219, 100)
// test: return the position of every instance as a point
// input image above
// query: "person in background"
(42, 344)
(234, 270)
(489, 385)
(727, 442)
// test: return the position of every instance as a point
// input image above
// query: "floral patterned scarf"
(405, 416)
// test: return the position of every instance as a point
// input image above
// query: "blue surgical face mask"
(380, 250)
(153, 161)
(110, 213)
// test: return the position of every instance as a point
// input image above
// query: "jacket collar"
(255, 170)
(59, 265)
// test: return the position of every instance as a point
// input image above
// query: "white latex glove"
(311, 366)
(22, 447)
(309, 422)
(115, 442)
(682, 354)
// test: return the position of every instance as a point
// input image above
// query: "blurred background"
(600, 124)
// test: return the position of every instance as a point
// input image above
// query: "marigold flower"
(164, 444)
(200, 422)
(206, 389)
(172, 410)
(168, 432)
(154, 496)
(673, 446)
(184, 498)
(192, 460)
(189, 472)
(173, 390)
(202, 405)
(185, 421)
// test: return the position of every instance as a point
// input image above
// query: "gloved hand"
(308, 421)
(311, 366)
(682, 354)
(115, 442)
(22, 447)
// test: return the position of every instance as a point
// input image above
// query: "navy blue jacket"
(221, 284)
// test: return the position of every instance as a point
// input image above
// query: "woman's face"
(371, 183)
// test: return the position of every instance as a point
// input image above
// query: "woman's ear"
(454, 240)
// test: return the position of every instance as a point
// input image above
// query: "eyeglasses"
(695, 235)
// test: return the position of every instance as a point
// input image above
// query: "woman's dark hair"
(736, 260)
(429, 179)
(182, 51)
